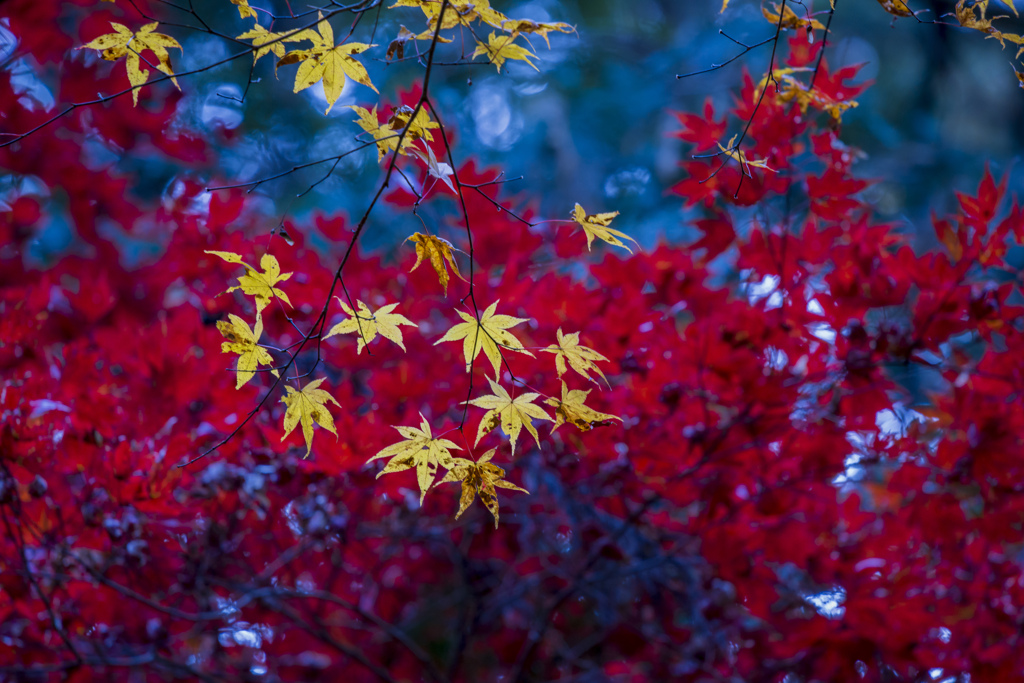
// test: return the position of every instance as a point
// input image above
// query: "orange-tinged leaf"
(419, 450)
(787, 18)
(439, 252)
(570, 409)
(511, 414)
(489, 332)
(308, 407)
(480, 478)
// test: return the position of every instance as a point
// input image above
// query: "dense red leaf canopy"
(817, 475)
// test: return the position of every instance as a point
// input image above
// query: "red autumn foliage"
(817, 477)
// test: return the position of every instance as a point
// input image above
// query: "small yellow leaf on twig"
(502, 47)
(596, 225)
(580, 358)
(308, 407)
(439, 252)
(244, 342)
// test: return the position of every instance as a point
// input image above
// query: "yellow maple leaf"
(501, 47)
(258, 285)
(326, 62)
(580, 358)
(419, 450)
(308, 407)
(570, 409)
(489, 332)
(787, 18)
(244, 11)
(244, 342)
(266, 41)
(368, 324)
(536, 27)
(596, 225)
(439, 252)
(731, 151)
(479, 478)
(511, 414)
(123, 42)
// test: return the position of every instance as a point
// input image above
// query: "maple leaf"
(733, 152)
(570, 409)
(538, 27)
(307, 407)
(244, 11)
(439, 252)
(258, 285)
(501, 47)
(479, 478)
(397, 46)
(580, 358)
(420, 450)
(787, 18)
(488, 333)
(596, 225)
(244, 342)
(368, 324)
(896, 8)
(512, 414)
(123, 42)
(327, 62)
(266, 41)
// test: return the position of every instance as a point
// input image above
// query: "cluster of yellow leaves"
(124, 42)
(500, 45)
(387, 134)
(972, 14)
